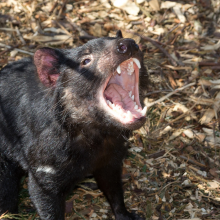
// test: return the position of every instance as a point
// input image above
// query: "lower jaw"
(138, 123)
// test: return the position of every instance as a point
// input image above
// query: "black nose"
(127, 46)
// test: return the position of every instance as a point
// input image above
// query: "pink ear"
(46, 62)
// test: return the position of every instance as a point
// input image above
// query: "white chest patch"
(46, 169)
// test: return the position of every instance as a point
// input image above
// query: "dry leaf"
(208, 131)
(154, 4)
(97, 30)
(205, 82)
(212, 47)
(213, 185)
(215, 81)
(213, 141)
(189, 133)
(179, 13)
(127, 5)
(165, 130)
(42, 38)
(119, 3)
(175, 134)
(167, 4)
(200, 136)
(207, 117)
(184, 109)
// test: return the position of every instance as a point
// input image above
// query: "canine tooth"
(111, 105)
(136, 107)
(130, 93)
(137, 62)
(144, 111)
(129, 114)
(132, 97)
(108, 102)
(119, 69)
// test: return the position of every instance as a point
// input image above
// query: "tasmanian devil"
(65, 114)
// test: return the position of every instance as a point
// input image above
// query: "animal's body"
(65, 114)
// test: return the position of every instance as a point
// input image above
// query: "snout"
(127, 46)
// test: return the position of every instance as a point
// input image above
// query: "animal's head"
(97, 82)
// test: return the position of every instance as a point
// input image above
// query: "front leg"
(109, 181)
(49, 203)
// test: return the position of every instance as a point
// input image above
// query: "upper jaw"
(130, 67)
(119, 95)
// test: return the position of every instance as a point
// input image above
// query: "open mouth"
(120, 93)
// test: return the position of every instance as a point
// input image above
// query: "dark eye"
(86, 61)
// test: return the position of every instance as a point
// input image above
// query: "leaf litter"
(172, 170)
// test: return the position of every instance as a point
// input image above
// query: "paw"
(129, 216)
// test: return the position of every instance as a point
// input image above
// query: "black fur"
(52, 127)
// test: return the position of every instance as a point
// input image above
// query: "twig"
(147, 13)
(53, 7)
(76, 3)
(159, 91)
(209, 197)
(174, 63)
(168, 95)
(192, 161)
(20, 36)
(176, 119)
(157, 154)
(19, 50)
(63, 28)
(95, 195)
(80, 30)
(62, 7)
(176, 35)
(208, 64)
(79, 214)
(183, 115)
(12, 29)
(168, 185)
(172, 29)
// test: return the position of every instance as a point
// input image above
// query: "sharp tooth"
(137, 62)
(136, 107)
(129, 114)
(130, 93)
(108, 102)
(144, 111)
(111, 105)
(132, 97)
(119, 69)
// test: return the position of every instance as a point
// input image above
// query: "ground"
(172, 171)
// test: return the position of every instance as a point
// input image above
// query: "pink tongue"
(117, 95)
